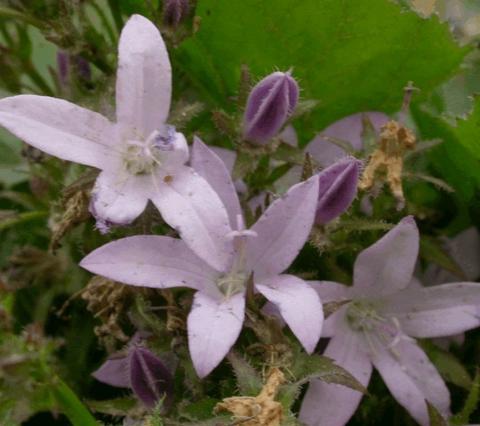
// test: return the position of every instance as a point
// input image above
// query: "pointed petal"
(436, 311)
(333, 405)
(337, 189)
(330, 291)
(227, 156)
(144, 78)
(208, 165)
(60, 128)
(282, 230)
(411, 378)
(214, 325)
(387, 266)
(464, 249)
(348, 129)
(190, 205)
(289, 136)
(150, 379)
(299, 305)
(150, 261)
(119, 198)
(114, 372)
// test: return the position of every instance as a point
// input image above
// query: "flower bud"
(149, 377)
(337, 189)
(269, 104)
(174, 11)
(142, 371)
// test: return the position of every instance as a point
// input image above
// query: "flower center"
(144, 155)
(362, 316)
(235, 280)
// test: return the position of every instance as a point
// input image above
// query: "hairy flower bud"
(143, 372)
(174, 11)
(337, 189)
(269, 104)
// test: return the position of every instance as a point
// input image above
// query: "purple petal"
(282, 230)
(144, 78)
(330, 404)
(60, 128)
(63, 66)
(151, 261)
(411, 378)
(348, 129)
(150, 378)
(337, 189)
(114, 372)
(465, 251)
(299, 306)
(213, 327)
(289, 136)
(268, 106)
(387, 266)
(208, 165)
(119, 198)
(436, 311)
(190, 205)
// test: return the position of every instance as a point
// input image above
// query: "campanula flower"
(378, 325)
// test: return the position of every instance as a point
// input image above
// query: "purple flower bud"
(142, 371)
(174, 11)
(337, 189)
(65, 61)
(150, 379)
(269, 104)
(83, 68)
(62, 65)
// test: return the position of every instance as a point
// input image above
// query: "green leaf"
(249, 381)
(351, 56)
(449, 367)
(113, 407)
(308, 367)
(471, 404)
(432, 251)
(435, 417)
(70, 405)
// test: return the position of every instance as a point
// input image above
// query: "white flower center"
(235, 281)
(144, 155)
(362, 316)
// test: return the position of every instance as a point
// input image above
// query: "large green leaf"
(350, 55)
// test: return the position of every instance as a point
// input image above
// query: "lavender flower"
(141, 157)
(378, 325)
(174, 11)
(262, 253)
(140, 370)
(269, 104)
(337, 189)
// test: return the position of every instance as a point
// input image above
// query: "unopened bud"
(174, 11)
(142, 371)
(337, 189)
(269, 104)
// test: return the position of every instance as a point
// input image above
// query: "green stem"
(70, 405)
(116, 13)
(7, 12)
(22, 218)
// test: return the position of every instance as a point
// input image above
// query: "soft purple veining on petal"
(115, 371)
(174, 11)
(348, 129)
(270, 103)
(337, 189)
(150, 379)
(380, 322)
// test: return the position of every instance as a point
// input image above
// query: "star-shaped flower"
(140, 156)
(263, 252)
(377, 327)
